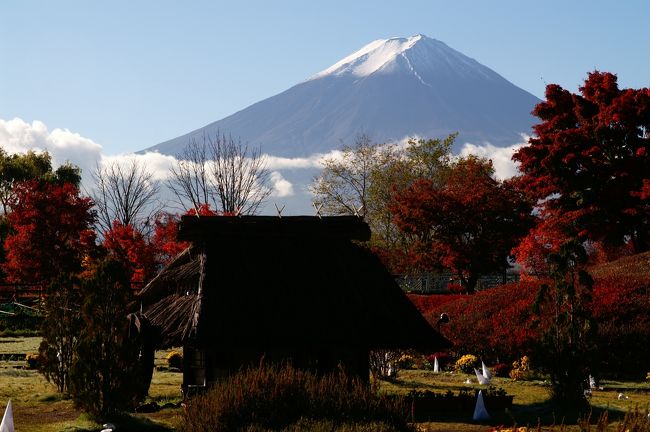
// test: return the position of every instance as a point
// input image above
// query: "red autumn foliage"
(443, 359)
(204, 210)
(469, 224)
(427, 303)
(544, 238)
(496, 323)
(589, 161)
(129, 246)
(164, 239)
(502, 370)
(621, 304)
(50, 231)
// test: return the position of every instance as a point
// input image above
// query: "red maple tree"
(133, 250)
(470, 223)
(164, 238)
(51, 231)
(589, 159)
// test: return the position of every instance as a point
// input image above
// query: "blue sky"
(130, 74)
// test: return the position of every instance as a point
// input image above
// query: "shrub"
(520, 369)
(406, 361)
(33, 360)
(273, 397)
(175, 360)
(502, 370)
(384, 364)
(61, 326)
(456, 288)
(443, 359)
(467, 363)
(105, 377)
(427, 303)
(498, 322)
(494, 323)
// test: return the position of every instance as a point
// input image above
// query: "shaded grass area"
(531, 404)
(38, 407)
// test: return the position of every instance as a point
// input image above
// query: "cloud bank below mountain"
(19, 136)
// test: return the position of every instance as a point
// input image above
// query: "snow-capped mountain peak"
(390, 89)
(371, 57)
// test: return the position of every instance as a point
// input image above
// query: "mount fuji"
(389, 89)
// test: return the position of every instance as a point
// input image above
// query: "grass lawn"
(530, 405)
(12, 345)
(38, 407)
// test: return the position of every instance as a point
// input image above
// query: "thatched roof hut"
(281, 287)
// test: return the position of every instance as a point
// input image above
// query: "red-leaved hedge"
(495, 324)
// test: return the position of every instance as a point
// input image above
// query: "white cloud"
(18, 136)
(281, 186)
(313, 161)
(156, 163)
(501, 157)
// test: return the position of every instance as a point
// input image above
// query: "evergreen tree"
(60, 330)
(105, 374)
(567, 347)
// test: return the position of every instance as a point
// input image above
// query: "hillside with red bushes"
(497, 324)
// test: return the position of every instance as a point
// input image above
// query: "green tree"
(420, 159)
(343, 186)
(567, 347)
(19, 167)
(60, 330)
(364, 178)
(105, 376)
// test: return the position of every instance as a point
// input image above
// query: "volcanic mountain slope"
(390, 89)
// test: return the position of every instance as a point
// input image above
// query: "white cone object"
(486, 372)
(7, 424)
(481, 379)
(435, 364)
(480, 413)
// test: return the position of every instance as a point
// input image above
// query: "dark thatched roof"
(282, 282)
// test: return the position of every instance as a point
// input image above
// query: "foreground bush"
(277, 398)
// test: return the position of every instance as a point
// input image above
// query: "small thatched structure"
(287, 289)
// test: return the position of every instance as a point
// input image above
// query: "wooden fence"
(429, 283)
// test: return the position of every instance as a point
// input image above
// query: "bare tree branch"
(189, 177)
(127, 194)
(222, 172)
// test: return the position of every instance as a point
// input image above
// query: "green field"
(38, 407)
